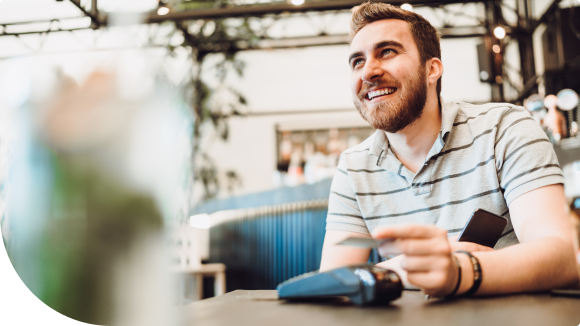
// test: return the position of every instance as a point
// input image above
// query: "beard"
(394, 115)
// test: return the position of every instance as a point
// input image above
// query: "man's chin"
(382, 123)
(378, 117)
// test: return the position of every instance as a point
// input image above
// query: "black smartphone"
(483, 228)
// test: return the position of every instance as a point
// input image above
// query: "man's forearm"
(538, 265)
(334, 256)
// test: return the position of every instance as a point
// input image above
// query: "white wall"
(315, 78)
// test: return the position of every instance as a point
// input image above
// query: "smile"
(380, 92)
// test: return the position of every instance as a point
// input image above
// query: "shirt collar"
(379, 144)
(448, 115)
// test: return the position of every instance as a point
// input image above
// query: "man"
(431, 164)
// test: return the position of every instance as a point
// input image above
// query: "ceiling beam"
(338, 39)
(259, 10)
(93, 14)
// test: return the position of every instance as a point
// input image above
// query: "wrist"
(458, 275)
(467, 274)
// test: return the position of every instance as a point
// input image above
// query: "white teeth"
(373, 94)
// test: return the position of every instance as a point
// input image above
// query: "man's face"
(389, 81)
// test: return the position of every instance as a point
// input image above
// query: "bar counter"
(261, 308)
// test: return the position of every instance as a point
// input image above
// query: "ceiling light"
(496, 48)
(499, 32)
(297, 2)
(162, 11)
(407, 6)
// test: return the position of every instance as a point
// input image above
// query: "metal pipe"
(46, 31)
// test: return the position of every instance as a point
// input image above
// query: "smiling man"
(430, 164)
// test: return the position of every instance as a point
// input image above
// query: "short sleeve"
(525, 158)
(343, 209)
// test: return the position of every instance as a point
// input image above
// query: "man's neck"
(413, 143)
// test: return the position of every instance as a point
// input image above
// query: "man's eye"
(387, 52)
(356, 62)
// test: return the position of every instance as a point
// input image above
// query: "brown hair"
(424, 34)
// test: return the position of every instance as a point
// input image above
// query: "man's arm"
(336, 256)
(543, 260)
(344, 220)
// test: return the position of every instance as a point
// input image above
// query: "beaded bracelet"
(477, 273)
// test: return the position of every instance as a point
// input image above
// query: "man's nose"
(371, 70)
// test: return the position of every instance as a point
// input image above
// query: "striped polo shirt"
(484, 157)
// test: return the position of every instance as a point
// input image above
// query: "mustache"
(383, 83)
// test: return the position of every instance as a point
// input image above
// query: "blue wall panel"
(263, 251)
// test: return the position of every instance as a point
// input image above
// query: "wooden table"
(259, 308)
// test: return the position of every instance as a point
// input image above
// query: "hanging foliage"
(213, 105)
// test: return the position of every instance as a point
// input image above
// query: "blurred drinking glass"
(95, 171)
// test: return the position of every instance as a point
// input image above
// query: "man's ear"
(435, 70)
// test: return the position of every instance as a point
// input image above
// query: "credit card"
(367, 243)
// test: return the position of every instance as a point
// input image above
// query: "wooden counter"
(257, 308)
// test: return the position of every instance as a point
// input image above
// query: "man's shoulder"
(488, 113)
(490, 109)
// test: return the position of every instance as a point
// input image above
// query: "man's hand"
(467, 246)
(394, 264)
(428, 256)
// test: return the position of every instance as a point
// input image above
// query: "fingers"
(408, 231)
(454, 238)
(390, 249)
(413, 264)
(436, 275)
(421, 246)
(436, 282)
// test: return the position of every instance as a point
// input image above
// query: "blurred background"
(226, 119)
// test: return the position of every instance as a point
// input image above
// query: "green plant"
(213, 105)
